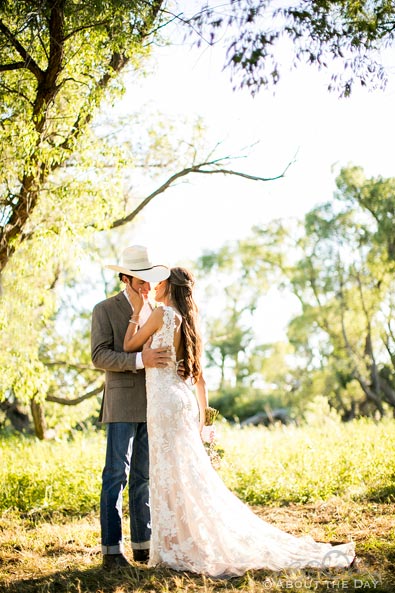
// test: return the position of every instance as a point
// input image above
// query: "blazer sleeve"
(104, 356)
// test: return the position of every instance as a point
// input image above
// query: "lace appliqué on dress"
(197, 524)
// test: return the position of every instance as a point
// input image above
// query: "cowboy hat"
(135, 262)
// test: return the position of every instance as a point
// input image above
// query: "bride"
(198, 525)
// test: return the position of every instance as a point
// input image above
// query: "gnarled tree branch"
(207, 168)
(28, 61)
(37, 170)
(77, 400)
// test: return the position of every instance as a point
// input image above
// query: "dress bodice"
(164, 336)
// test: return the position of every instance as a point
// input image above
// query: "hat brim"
(154, 274)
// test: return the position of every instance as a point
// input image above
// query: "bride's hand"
(136, 299)
(207, 433)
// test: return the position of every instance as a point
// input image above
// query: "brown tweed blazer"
(124, 398)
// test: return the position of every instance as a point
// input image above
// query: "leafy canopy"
(256, 32)
(59, 60)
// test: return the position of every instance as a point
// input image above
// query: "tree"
(343, 278)
(345, 32)
(234, 279)
(338, 262)
(41, 364)
(58, 58)
(65, 169)
(230, 336)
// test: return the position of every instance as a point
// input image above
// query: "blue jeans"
(126, 457)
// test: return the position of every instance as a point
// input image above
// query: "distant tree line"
(339, 263)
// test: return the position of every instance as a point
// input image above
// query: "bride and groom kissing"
(182, 515)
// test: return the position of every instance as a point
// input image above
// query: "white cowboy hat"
(135, 262)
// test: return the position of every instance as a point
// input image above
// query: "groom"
(124, 409)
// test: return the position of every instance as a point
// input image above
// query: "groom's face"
(140, 285)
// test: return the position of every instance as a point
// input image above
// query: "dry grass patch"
(63, 556)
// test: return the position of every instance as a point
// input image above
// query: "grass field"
(334, 481)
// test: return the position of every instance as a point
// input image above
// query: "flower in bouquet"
(208, 436)
(210, 415)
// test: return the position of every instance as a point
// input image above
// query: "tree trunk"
(222, 382)
(19, 420)
(389, 392)
(371, 395)
(40, 425)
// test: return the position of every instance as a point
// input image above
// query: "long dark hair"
(181, 284)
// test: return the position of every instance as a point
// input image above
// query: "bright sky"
(301, 117)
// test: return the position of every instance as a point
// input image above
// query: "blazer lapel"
(123, 304)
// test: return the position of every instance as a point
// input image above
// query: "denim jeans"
(126, 457)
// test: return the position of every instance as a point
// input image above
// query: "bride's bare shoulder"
(157, 314)
(177, 317)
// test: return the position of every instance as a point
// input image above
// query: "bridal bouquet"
(208, 436)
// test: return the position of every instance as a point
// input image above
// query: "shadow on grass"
(126, 580)
(89, 580)
(382, 493)
(144, 580)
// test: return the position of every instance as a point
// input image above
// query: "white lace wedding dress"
(197, 524)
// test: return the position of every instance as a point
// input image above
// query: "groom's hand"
(156, 357)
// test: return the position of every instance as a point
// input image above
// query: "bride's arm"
(202, 397)
(134, 338)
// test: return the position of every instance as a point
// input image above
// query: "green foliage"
(339, 265)
(239, 403)
(66, 172)
(376, 197)
(318, 32)
(344, 280)
(59, 62)
(235, 277)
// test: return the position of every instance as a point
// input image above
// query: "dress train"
(198, 525)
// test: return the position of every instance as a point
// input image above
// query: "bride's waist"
(168, 370)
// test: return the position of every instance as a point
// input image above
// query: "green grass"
(310, 463)
(45, 477)
(276, 466)
(328, 479)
